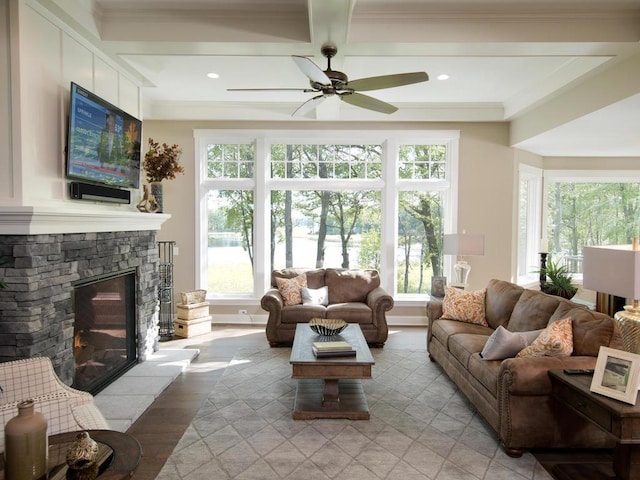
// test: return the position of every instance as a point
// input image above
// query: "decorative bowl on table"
(327, 326)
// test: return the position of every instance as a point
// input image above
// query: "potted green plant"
(558, 280)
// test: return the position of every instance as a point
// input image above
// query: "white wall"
(45, 56)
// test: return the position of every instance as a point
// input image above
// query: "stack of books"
(333, 349)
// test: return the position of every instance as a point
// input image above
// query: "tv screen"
(104, 142)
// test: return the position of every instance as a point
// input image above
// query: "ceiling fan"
(332, 82)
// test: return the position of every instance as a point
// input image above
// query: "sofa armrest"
(434, 312)
(379, 301)
(272, 302)
(529, 376)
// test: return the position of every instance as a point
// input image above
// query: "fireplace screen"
(104, 330)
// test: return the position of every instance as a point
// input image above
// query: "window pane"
(230, 161)
(590, 214)
(230, 241)
(420, 230)
(314, 229)
(524, 223)
(423, 162)
(326, 161)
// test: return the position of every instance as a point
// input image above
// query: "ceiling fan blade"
(309, 105)
(387, 81)
(311, 70)
(305, 90)
(368, 102)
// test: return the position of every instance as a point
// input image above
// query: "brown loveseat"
(354, 296)
(514, 394)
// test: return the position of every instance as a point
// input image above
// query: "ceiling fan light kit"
(332, 82)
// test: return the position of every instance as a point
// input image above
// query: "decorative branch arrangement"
(161, 162)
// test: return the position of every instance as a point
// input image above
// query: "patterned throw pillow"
(290, 289)
(464, 306)
(505, 344)
(555, 341)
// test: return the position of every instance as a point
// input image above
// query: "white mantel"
(52, 220)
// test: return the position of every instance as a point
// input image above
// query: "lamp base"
(629, 322)
(461, 272)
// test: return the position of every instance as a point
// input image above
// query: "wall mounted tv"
(103, 145)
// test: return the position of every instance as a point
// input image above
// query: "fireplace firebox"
(104, 340)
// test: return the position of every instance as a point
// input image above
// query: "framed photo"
(437, 286)
(616, 374)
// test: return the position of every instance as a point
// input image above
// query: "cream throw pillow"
(506, 344)
(290, 288)
(464, 306)
(555, 341)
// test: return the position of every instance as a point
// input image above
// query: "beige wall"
(487, 176)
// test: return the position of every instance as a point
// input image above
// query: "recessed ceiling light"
(443, 76)
(213, 75)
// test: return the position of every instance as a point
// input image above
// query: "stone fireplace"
(42, 258)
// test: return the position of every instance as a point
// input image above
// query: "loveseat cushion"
(315, 278)
(532, 311)
(352, 312)
(350, 285)
(302, 313)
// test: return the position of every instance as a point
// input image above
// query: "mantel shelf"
(27, 220)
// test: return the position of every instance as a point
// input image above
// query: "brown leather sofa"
(514, 394)
(355, 296)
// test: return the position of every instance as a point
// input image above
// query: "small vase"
(82, 456)
(156, 191)
(26, 446)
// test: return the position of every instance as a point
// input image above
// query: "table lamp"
(461, 245)
(615, 269)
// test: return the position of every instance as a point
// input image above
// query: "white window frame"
(262, 184)
(533, 176)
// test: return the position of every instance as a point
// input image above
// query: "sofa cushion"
(555, 341)
(532, 311)
(485, 371)
(505, 344)
(463, 345)
(464, 306)
(290, 289)
(443, 329)
(500, 299)
(315, 296)
(350, 285)
(591, 330)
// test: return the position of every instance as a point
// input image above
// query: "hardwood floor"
(162, 425)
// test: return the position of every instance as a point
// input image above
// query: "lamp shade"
(463, 244)
(614, 269)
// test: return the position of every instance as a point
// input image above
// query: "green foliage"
(559, 281)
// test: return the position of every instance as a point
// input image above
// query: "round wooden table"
(119, 454)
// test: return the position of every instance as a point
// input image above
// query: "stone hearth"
(43, 255)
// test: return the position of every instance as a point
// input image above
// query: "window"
(529, 222)
(589, 208)
(323, 199)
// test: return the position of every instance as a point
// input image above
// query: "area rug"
(421, 428)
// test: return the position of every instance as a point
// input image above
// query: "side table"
(619, 419)
(119, 465)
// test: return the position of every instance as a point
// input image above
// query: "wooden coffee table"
(330, 387)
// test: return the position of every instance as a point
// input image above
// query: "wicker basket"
(194, 296)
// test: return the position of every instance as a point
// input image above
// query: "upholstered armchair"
(66, 409)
